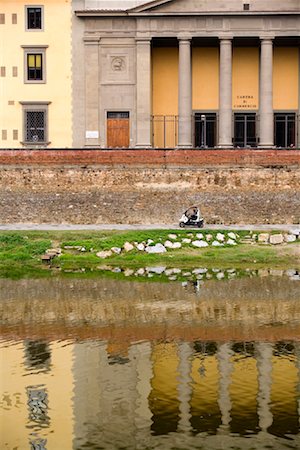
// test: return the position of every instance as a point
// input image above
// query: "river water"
(151, 359)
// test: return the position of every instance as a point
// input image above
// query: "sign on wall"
(245, 101)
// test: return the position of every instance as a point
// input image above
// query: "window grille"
(35, 126)
(118, 115)
(34, 18)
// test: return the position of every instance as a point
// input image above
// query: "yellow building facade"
(35, 81)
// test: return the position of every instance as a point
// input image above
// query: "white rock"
(172, 236)
(199, 244)
(169, 272)
(177, 271)
(186, 241)
(290, 237)
(116, 250)
(83, 249)
(276, 239)
(231, 242)
(184, 283)
(177, 245)
(296, 232)
(209, 237)
(128, 272)
(216, 244)
(290, 272)
(276, 273)
(158, 248)
(231, 235)
(140, 247)
(140, 271)
(199, 235)
(104, 254)
(220, 237)
(128, 247)
(263, 237)
(199, 271)
(158, 270)
(220, 275)
(150, 241)
(169, 244)
(295, 278)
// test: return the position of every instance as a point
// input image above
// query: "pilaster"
(225, 94)
(143, 92)
(91, 61)
(185, 94)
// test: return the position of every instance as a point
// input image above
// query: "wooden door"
(118, 130)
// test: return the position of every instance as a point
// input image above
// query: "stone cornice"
(150, 14)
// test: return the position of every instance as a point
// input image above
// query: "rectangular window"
(285, 130)
(35, 120)
(35, 126)
(34, 66)
(245, 130)
(33, 17)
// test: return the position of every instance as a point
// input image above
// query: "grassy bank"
(21, 252)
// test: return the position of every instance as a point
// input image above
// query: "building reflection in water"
(97, 363)
(170, 387)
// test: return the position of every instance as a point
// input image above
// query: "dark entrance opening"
(285, 129)
(205, 130)
(245, 130)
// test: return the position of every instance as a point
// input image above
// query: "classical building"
(186, 73)
(149, 74)
(35, 74)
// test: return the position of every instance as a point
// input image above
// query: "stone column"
(91, 62)
(225, 370)
(185, 94)
(143, 93)
(264, 369)
(266, 128)
(225, 94)
(185, 354)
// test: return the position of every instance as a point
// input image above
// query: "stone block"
(104, 254)
(158, 248)
(263, 238)
(200, 244)
(128, 247)
(276, 239)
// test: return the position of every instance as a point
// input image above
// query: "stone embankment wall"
(149, 186)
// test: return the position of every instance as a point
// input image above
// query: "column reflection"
(225, 366)
(185, 353)
(264, 368)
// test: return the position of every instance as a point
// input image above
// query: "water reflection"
(98, 363)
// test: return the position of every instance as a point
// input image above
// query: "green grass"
(20, 252)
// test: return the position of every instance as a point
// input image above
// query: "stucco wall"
(149, 186)
(55, 37)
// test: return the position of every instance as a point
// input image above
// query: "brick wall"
(159, 157)
(148, 186)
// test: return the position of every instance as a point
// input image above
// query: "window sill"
(35, 144)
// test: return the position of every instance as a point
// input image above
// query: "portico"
(187, 77)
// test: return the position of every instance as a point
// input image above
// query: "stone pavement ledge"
(122, 227)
